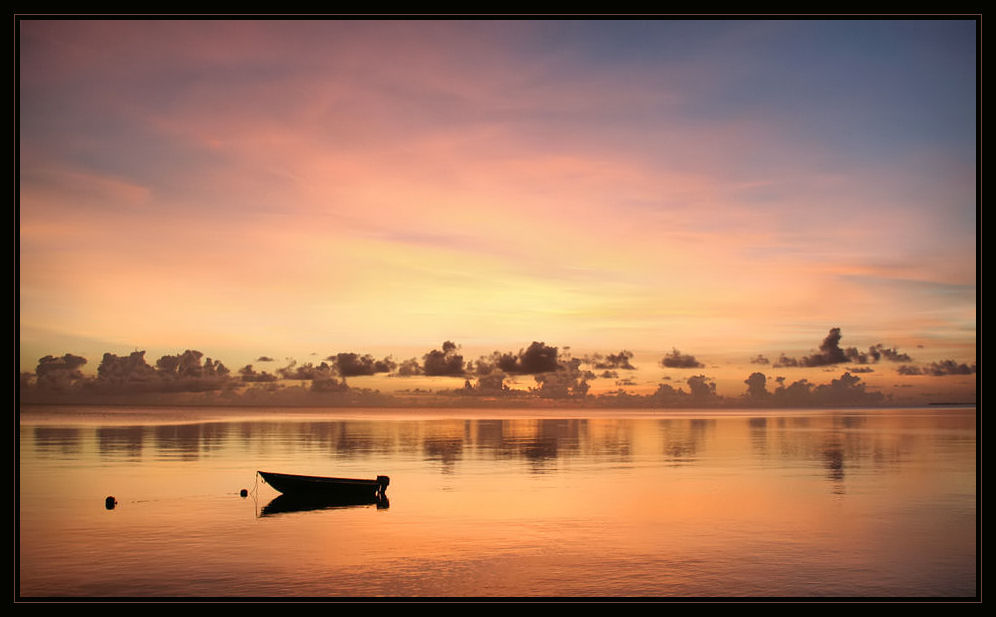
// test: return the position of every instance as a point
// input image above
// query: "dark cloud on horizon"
(831, 353)
(322, 377)
(893, 355)
(620, 361)
(444, 363)
(132, 374)
(188, 365)
(354, 365)
(701, 386)
(180, 372)
(702, 391)
(535, 359)
(329, 384)
(60, 373)
(125, 369)
(784, 361)
(938, 369)
(186, 373)
(876, 353)
(678, 360)
(50, 365)
(410, 368)
(345, 364)
(306, 372)
(557, 375)
(265, 359)
(757, 387)
(845, 390)
(492, 384)
(251, 376)
(568, 382)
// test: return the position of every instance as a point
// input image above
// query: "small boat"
(320, 486)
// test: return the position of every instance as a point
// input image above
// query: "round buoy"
(244, 492)
(110, 502)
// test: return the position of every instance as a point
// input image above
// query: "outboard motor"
(382, 482)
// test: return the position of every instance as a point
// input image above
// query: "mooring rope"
(254, 493)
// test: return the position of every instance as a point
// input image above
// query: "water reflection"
(538, 442)
(446, 451)
(833, 444)
(753, 503)
(120, 441)
(285, 504)
(850, 421)
(833, 462)
(759, 434)
(683, 439)
(183, 441)
(55, 441)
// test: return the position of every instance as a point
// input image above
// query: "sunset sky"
(283, 188)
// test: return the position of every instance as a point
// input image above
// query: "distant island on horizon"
(845, 391)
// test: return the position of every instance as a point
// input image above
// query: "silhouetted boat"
(328, 488)
(305, 503)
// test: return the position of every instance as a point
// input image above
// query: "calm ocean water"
(853, 503)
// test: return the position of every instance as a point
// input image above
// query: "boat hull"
(296, 485)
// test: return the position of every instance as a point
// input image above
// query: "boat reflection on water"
(303, 503)
(303, 493)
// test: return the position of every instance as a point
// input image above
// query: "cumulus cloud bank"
(59, 373)
(676, 359)
(443, 363)
(184, 372)
(537, 358)
(620, 361)
(249, 375)
(938, 369)
(353, 365)
(847, 390)
(557, 377)
(832, 353)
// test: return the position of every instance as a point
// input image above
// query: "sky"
(728, 188)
